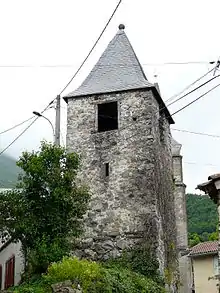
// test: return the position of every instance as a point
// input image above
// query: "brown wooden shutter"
(9, 272)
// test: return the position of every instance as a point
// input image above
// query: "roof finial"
(121, 26)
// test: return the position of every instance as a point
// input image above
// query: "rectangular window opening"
(107, 116)
(106, 169)
(161, 129)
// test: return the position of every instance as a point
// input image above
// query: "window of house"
(9, 272)
(106, 169)
(107, 116)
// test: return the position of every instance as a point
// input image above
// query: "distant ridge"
(8, 172)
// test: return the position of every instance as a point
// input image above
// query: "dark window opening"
(161, 129)
(106, 169)
(107, 116)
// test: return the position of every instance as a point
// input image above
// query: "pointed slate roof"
(118, 69)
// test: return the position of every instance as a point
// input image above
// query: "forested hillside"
(202, 218)
(8, 171)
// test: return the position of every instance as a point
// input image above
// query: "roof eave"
(5, 245)
(209, 188)
(203, 253)
(164, 107)
(153, 88)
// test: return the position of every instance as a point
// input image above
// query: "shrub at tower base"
(92, 277)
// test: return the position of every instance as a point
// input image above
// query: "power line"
(195, 89)
(164, 107)
(133, 135)
(21, 123)
(116, 8)
(72, 65)
(186, 95)
(196, 99)
(93, 47)
(201, 164)
(191, 84)
(197, 133)
(120, 129)
(17, 137)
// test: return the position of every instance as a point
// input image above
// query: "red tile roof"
(208, 247)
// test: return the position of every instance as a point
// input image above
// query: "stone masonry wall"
(180, 204)
(164, 185)
(181, 223)
(135, 203)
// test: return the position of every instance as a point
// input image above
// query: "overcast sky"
(55, 32)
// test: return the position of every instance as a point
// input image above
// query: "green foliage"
(213, 236)
(94, 277)
(34, 285)
(194, 239)
(47, 207)
(140, 260)
(46, 252)
(202, 218)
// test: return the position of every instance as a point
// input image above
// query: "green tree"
(213, 236)
(202, 215)
(194, 239)
(46, 209)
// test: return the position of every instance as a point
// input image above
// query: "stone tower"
(119, 124)
(181, 219)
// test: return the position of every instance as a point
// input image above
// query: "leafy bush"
(94, 277)
(46, 253)
(35, 285)
(89, 274)
(140, 260)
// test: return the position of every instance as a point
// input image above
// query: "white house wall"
(8, 252)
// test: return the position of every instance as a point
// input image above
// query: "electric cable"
(13, 127)
(72, 65)
(93, 47)
(201, 96)
(198, 87)
(84, 61)
(181, 109)
(17, 137)
(191, 84)
(196, 133)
